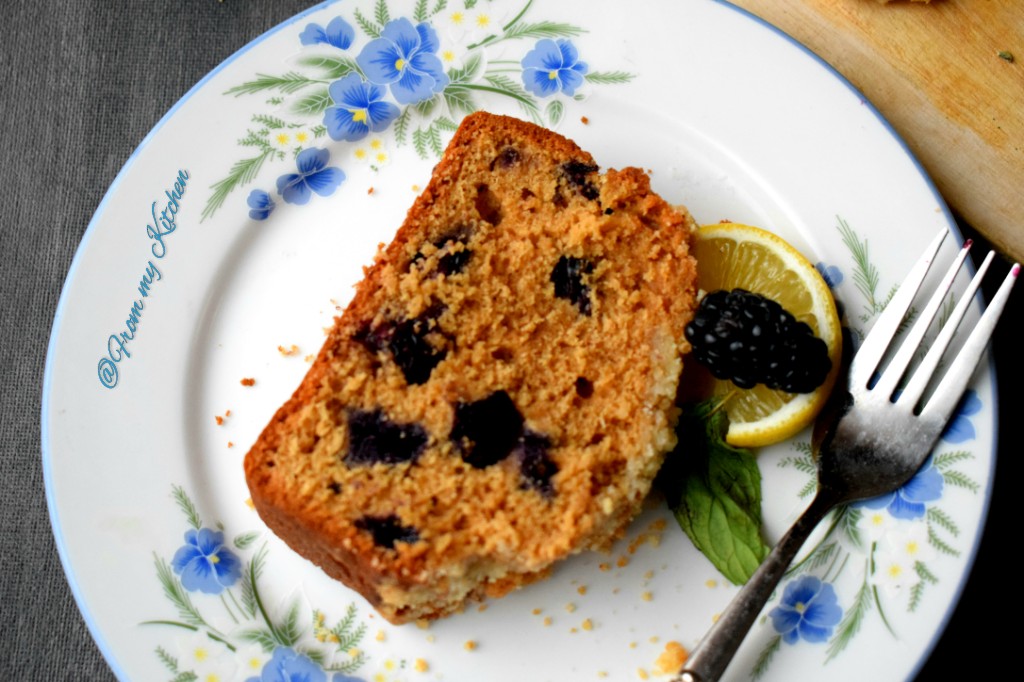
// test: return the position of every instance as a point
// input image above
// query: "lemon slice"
(731, 256)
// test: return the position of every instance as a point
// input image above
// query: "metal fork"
(874, 436)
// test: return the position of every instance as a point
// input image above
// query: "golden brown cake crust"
(499, 393)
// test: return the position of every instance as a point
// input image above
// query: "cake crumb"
(648, 575)
(231, 444)
(573, 631)
(470, 645)
(646, 596)
(654, 640)
(582, 590)
(248, 381)
(220, 420)
(605, 566)
(642, 674)
(482, 608)
(291, 350)
(671, 659)
(431, 639)
(381, 636)
(547, 620)
(602, 673)
(308, 358)
(570, 607)
(415, 188)
(587, 624)
(423, 624)
(421, 666)
(249, 503)
(584, 120)
(711, 583)
(632, 645)
(537, 611)
(370, 191)
(622, 562)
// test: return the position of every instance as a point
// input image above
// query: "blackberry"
(576, 174)
(506, 158)
(486, 431)
(453, 259)
(535, 464)
(387, 530)
(568, 276)
(374, 438)
(413, 344)
(750, 339)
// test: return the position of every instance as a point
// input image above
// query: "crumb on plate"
(672, 658)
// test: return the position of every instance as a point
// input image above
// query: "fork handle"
(709, 660)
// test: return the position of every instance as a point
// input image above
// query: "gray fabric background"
(83, 82)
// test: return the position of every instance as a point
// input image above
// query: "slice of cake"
(499, 393)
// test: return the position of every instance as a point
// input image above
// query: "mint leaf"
(714, 491)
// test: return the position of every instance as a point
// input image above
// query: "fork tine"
(947, 393)
(923, 374)
(897, 367)
(871, 352)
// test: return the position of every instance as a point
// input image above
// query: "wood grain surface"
(949, 76)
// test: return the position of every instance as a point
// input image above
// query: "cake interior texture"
(499, 393)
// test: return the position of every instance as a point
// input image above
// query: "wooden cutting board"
(949, 77)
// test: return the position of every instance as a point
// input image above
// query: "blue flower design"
(832, 275)
(288, 666)
(909, 501)
(960, 428)
(809, 610)
(552, 66)
(314, 176)
(338, 33)
(205, 564)
(404, 58)
(260, 204)
(358, 109)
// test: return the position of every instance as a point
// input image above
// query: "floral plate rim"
(127, 169)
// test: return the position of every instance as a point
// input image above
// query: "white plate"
(732, 119)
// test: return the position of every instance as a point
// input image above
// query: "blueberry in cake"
(499, 394)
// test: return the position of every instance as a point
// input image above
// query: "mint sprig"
(714, 491)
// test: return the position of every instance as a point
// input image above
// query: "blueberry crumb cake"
(499, 394)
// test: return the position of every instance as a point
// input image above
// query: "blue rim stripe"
(97, 635)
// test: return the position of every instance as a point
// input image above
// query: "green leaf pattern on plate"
(887, 545)
(483, 58)
(231, 633)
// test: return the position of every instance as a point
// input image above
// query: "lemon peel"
(733, 255)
